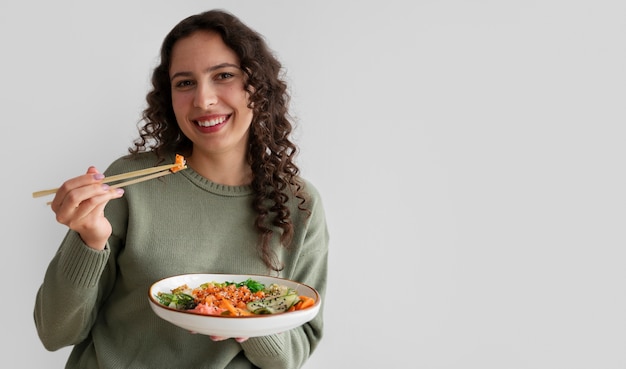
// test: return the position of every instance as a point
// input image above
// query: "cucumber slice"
(273, 305)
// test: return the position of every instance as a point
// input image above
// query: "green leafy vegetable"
(253, 286)
(176, 300)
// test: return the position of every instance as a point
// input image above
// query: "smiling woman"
(211, 104)
(240, 206)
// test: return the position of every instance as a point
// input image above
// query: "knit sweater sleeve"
(74, 282)
(291, 349)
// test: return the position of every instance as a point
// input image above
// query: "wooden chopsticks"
(142, 174)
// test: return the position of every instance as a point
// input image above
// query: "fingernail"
(105, 187)
(119, 191)
(98, 176)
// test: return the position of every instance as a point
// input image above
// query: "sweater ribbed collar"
(213, 187)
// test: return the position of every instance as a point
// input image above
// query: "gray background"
(470, 155)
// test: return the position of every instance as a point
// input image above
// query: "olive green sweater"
(97, 301)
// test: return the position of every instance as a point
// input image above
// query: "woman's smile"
(211, 123)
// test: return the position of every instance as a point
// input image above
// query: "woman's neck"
(221, 169)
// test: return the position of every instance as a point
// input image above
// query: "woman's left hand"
(219, 338)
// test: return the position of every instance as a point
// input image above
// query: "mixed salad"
(246, 298)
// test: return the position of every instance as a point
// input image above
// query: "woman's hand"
(79, 204)
(219, 338)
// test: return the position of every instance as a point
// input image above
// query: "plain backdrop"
(470, 155)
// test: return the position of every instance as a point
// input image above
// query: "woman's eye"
(224, 75)
(183, 84)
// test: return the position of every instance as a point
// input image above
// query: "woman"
(240, 207)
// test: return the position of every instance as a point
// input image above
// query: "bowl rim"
(155, 302)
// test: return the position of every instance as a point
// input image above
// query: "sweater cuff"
(272, 345)
(81, 264)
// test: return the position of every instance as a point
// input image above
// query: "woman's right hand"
(79, 204)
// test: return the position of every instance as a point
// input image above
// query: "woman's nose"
(206, 96)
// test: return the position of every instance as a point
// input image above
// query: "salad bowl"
(227, 325)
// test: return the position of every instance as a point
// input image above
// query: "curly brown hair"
(270, 152)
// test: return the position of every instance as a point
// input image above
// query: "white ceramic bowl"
(231, 326)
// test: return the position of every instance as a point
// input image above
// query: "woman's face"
(208, 95)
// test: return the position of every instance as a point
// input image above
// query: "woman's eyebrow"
(208, 70)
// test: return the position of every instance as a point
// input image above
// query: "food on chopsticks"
(179, 164)
(148, 173)
(245, 298)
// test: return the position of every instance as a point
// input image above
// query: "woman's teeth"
(212, 122)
